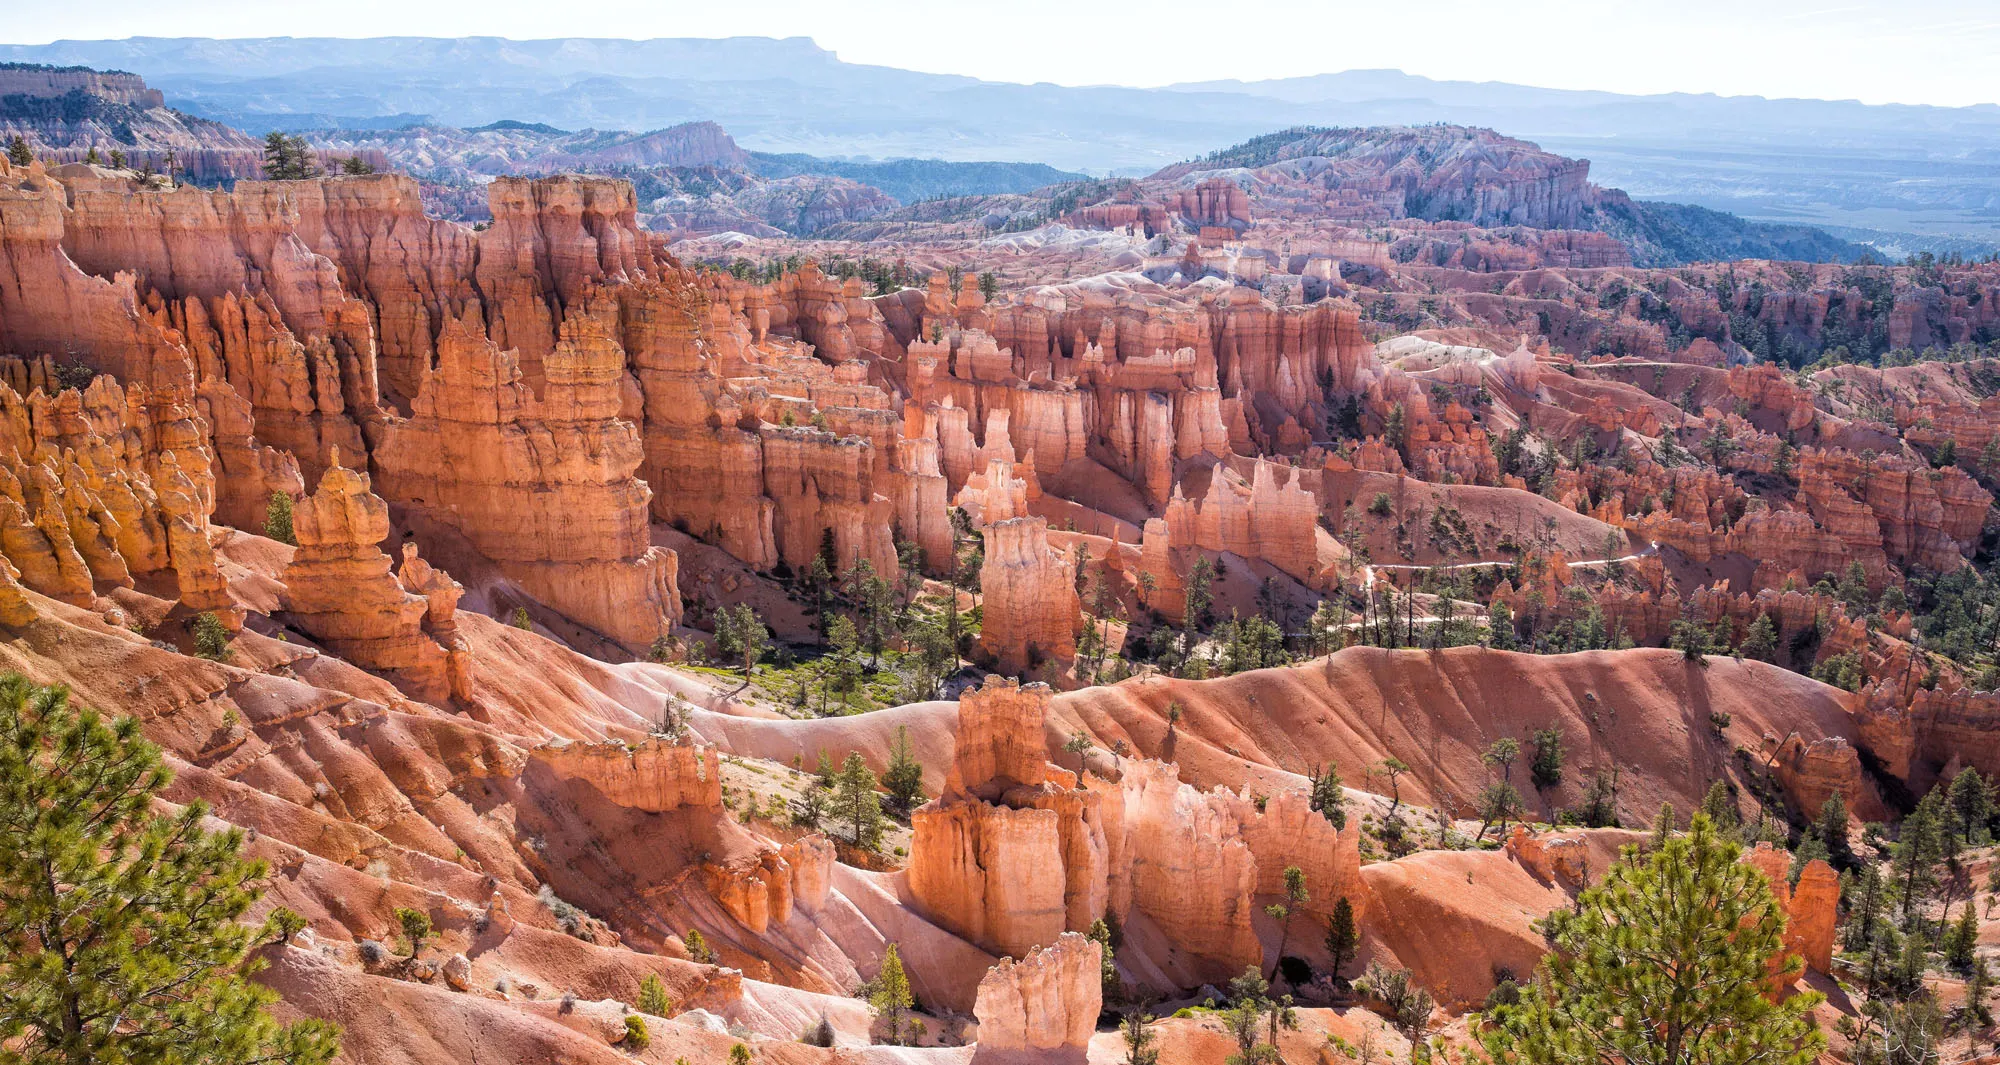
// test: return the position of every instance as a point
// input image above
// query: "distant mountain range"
(1903, 177)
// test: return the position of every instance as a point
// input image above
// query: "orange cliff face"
(1016, 852)
(339, 589)
(479, 445)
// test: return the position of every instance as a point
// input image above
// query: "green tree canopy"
(121, 932)
(1664, 963)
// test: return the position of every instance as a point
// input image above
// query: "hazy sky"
(1915, 51)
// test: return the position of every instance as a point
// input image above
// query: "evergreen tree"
(904, 777)
(1919, 848)
(1393, 768)
(1978, 986)
(1971, 806)
(1720, 808)
(1327, 795)
(1547, 766)
(1249, 996)
(1343, 938)
(1107, 965)
(1907, 979)
(1663, 826)
(697, 947)
(740, 634)
(278, 519)
(1707, 927)
(1498, 802)
(1761, 640)
(1195, 604)
(211, 637)
(653, 997)
(857, 803)
(1503, 752)
(1078, 744)
(1500, 633)
(1296, 896)
(120, 931)
(1865, 909)
(415, 926)
(18, 152)
(287, 158)
(891, 996)
(354, 164)
(1409, 1005)
(1139, 1039)
(1831, 830)
(1963, 939)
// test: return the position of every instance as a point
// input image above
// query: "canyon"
(423, 550)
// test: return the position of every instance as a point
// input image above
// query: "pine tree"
(1720, 808)
(697, 947)
(18, 152)
(211, 637)
(1107, 966)
(740, 634)
(287, 158)
(1393, 768)
(1761, 640)
(415, 926)
(120, 931)
(1327, 795)
(1978, 985)
(1249, 997)
(1701, 919)
(1919, 848)
(904, 777)
(1971, 806)
(1343, 938)
(1139, 1039)
(1663, 826)
(891, 996)
(1831, 829)
(1296, 896)
(1865, 909)
(1500, 633)
(653, 997)
(1963, 939)
(1547, 767)
(278, 519)
(857, 803)
(1499, 801)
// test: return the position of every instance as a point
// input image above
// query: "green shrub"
(211, 639)
(637, 1038)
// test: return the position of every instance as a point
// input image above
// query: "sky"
(1917, 51)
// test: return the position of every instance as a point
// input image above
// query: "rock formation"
(653, 776)
(1031, 606)
(543, 487)
(1043, 1007)
(1811, 907)
(338, 589)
